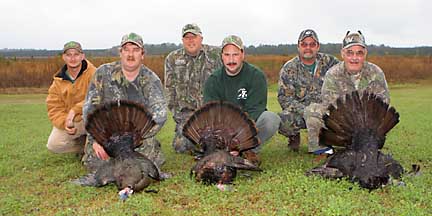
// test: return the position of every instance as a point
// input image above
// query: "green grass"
(36, 182)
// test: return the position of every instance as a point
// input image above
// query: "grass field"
(36, 182)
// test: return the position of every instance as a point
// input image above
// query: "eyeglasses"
(311, 45)
(350, 53)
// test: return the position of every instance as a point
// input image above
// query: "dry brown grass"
(37, 73)
(270, 64)
(27, 73)
(402, 69)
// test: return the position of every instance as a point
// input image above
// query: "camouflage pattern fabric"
(234, 40)
(150, 147)
(298, 88)
(185, 77)
(109, 84)
(313, 118)
(191, 28)
(338, 82)
(72, 45)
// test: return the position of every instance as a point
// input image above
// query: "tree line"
(165, 48)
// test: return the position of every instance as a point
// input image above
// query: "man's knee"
(267, 124)
(60, 141)
(182, 145)
(151, 148)
(52, 146)
(57, 141)
(291, 123)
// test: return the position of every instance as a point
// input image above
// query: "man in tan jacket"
(65, 100)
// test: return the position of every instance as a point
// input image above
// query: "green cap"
(234, 40)
(132, 38)
(72, 45)
(191, 28)
(352, 39)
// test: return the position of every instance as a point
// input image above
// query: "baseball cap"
(72, 45)
(191, 28)
(355, 38)
(308, 33)
(234, 40)
(132, 38)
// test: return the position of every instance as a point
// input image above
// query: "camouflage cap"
(72, 45)
(308, 33)
(191, 28)
(132, 38)
(234, 40)
(352, 39)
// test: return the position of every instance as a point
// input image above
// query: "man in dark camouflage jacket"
(300, 82)
(186, 71)
(354, 73)
(127, 79)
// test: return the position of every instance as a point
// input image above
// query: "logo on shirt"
(242, 94)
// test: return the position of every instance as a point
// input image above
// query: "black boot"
(294, 142)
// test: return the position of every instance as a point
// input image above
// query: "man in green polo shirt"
(245, 85)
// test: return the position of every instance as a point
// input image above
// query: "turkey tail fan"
(117, 118)
(355, 114)
(223, 124)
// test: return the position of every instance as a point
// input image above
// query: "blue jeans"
(267, 124)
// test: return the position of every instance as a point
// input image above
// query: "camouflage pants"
(313, 117)
(150, 147)
(180, 143)
(291, 123)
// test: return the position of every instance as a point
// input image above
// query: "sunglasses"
(311, 45)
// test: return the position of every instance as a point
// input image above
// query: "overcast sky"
(98, 24)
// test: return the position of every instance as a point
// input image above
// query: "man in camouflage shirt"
(127, 79)
(300, 82)
(354, 73)
(186, 71)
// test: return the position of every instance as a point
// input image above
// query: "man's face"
(73, 58)
(308, 48)
(131, 57)
(192, 43)
(232, 58)
(354, 58)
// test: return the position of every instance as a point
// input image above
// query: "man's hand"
(69, 123)
(100, 151)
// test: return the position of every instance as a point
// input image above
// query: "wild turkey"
(359, 124)
(119, 126)
(219, 129)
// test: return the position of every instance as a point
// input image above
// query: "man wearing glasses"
(300, 82)
(353, 74)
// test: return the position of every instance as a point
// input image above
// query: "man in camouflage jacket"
(300, 82)
(354, 73)
(186, 71)
(127, 79)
